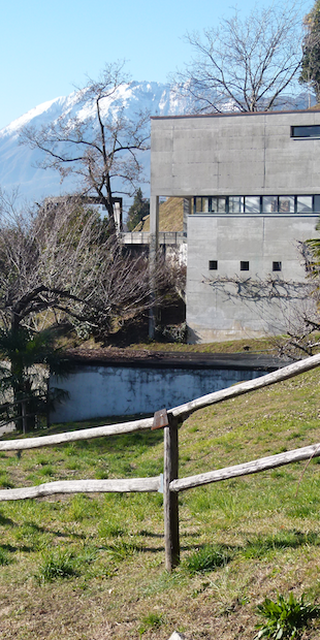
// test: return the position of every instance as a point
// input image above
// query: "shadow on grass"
(7, 521)
(151, 534)
(59, 534)
(260, 545)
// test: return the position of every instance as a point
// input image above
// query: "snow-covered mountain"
(18, 163)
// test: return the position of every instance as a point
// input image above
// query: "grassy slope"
(268, 524)
(170, 216)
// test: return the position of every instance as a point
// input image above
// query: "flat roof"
(229, 114)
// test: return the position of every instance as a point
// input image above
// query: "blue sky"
(49, 47)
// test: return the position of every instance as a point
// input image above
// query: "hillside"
(170, 216)
(241, 540)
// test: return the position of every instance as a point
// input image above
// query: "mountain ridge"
(19, 164)
(19, 170)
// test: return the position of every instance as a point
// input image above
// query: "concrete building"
(253, 183)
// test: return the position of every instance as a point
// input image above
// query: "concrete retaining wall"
(98, 391)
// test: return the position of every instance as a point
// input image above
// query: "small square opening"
(213, 265)
(276, 266)
(244, 265)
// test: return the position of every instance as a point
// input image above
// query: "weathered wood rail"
(169, 484)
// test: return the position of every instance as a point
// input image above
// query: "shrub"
(285, 618)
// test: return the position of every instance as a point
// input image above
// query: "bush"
(285, 618)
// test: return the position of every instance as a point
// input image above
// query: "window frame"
(305, 127)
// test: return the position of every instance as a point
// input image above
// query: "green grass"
(92, 566)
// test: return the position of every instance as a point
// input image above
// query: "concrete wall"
(234, 154)
(239, 155)
(218, 310)
(99, 391)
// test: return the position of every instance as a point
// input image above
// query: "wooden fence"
(168, 483)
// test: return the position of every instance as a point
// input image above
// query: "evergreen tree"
(310, 66)
(138, 210)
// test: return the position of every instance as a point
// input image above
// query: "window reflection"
(304, 204)
(236, 204)
(286, 204)
(252, 204)
(270, 204)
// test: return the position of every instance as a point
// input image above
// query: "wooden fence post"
(170, 499)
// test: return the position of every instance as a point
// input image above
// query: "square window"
(236, 204)
(252, 204)
(276, 266)
(201, 205)
(304, 204)
(213, 265)
(286, 204)
(218, 204)
(270, 204)
(244, 265)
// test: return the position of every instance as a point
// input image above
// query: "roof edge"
(229, 114)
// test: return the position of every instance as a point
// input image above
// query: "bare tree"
(310, 67)
(58, 271)
(97, 147)
(244, 65)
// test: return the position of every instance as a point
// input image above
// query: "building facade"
(253, 183)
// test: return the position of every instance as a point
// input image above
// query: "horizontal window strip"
(255, 205)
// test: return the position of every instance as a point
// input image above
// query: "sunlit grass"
(245, 539)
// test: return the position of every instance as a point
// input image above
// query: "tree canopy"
(59, 272)
(97, 147)
(244, 64)
(138, 210)
(310, 66)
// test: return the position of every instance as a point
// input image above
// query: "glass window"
(218, 204)
(201, 205)
(307, 131)
(244, 265)
(213, 265)
(236, 204)
(252, 204)
(276, 266)
(270, 204)
(304, 204)
(286, 204)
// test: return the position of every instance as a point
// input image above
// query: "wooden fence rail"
(83, 486)
(169, 484)
(181, 412)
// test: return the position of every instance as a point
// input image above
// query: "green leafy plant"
(209, 558)
(284, 618)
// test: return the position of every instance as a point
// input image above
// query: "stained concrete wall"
(219, 311)
(239, 154)
(99, 391)
(234, 154)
